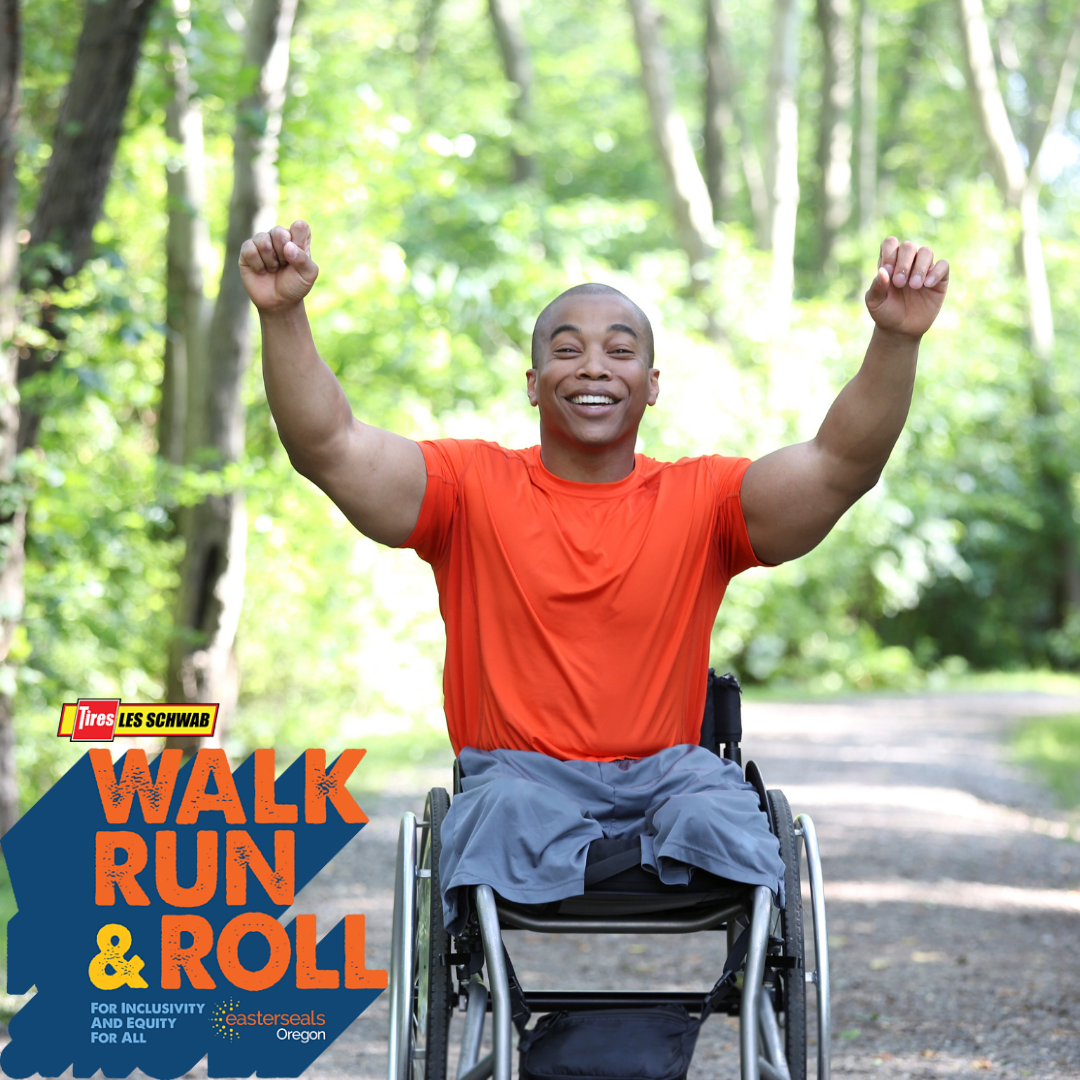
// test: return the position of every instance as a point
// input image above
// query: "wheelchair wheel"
(790, 978)
(431, 987)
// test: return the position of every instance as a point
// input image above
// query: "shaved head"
(546, 322)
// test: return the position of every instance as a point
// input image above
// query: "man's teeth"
(592, 399)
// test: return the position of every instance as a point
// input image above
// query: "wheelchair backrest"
(721, 724)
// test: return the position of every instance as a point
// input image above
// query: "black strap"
(519, 1010)
(726, 987)
(753, 776)
(603, 869)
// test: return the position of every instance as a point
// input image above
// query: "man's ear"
(654, 385)
(530, 386)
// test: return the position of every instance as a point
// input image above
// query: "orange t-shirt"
(577, 616)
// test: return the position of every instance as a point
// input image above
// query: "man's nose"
(594, 363)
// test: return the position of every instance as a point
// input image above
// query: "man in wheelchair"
(579, 581)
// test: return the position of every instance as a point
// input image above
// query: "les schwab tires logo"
(103, 719)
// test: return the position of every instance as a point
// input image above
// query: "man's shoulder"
(458, 455)
(725, 470)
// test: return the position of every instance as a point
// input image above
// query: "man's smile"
(592, 399)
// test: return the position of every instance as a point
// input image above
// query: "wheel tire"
(792, 989)
(431, 987)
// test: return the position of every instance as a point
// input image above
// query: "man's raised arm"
(793, 497)
(375, 477)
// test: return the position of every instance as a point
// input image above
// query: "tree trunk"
(428, 34)
(754, 177)
(202, 662)
(1020, 189)
(719, 108)
(83, 149)
(1005, 157)
(782, 151)
(186, 253)
(88, 128)
(868, 114)
(918, 33)
(1042, 316)
(835, 137)
(689, 194)
(12, 508)
(506, 18)
(726, 126)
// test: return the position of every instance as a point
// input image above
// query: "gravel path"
(952, 888)
(953, 897)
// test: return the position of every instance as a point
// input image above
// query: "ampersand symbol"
(125, 972)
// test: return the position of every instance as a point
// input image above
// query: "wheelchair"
(764, 978)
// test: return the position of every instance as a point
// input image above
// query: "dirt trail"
(952, 887)
(954, 909)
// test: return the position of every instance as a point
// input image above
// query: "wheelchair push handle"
(721, 726)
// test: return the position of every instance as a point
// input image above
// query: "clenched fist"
(277, 268)
(909, 288)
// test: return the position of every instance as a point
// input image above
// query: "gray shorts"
(523, 823)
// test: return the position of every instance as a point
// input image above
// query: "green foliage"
(433, 267)
(1051, 746)
(9, 1003)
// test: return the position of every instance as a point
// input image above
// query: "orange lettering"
(320, 785)
(169, 888)
(197, 799)
(357, 976)
(241, 854)
(154, 797)
(254, 922)
(308, 975)
(267, 811)
(175, 958)
(110, 875)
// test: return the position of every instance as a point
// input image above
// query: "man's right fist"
(276, 267)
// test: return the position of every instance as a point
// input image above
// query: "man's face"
(594, 381)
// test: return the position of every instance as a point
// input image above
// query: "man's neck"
(604, 465)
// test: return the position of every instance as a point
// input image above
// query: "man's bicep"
(789, 501)
(378, 480)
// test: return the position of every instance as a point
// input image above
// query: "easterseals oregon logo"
(102, 719)
(230, 1020)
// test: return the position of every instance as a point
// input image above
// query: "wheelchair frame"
(761, 1042)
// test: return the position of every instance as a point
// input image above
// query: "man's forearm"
(306, 399)
(866, 419)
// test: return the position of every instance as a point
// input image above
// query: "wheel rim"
(430, 1005)
(422, 978)
(788, 926)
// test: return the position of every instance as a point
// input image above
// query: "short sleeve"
(733, 541)
(445, 461)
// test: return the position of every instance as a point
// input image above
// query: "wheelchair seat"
(616, 885)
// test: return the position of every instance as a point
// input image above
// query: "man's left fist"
(907, 292)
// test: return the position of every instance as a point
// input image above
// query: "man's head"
(592, 376)
(546, 322)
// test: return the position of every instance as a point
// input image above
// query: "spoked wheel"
(789, 975)
(431, 983)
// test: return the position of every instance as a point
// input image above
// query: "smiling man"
(579, 581)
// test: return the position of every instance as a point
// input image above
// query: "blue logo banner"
(148, 902)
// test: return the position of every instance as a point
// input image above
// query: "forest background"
(732, 165)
